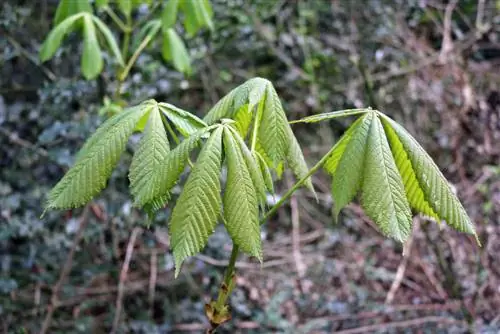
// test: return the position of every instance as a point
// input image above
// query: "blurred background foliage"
(432, 65)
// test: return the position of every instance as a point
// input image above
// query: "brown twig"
(153, 275)
(123, 277)
(54, 300)
(400, 273)
(297, 255)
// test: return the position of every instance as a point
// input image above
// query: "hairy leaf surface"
(383, 194)
(435, 188)
(241, 210)
(96, 161)
(195, 215)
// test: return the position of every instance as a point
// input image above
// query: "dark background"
(433, 66)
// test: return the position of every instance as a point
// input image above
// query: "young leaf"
(383, 194)
(101, 3)
(266, 174)
(333, 160)
(221, 109)
(198, 207)
(243, 118)
(349, 172)
(67, 8)
(94, 164)
(110, 39)
(296, 161)
(92, 62)
(169, 14)
(147, 163)
(434, 186)
(125, 7)
(414, 192)
(56, 35)
(172, 167)
(331, 115)
(197, 14)
(241, 211)
(173, 50)
(185, 122)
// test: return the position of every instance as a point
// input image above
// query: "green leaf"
(221, 109)
(349, 172)
(266, 174)
(169, 14)
(197, 14)
(174, 50)
(198, 207)
(243, 118)
(68, 8)
(92, 62)
(241, 211)
(435, 188)
(95, 162)
(125, 7)
(101, 3)
(383, 194)
(331, 115)
(56, 36)
(296, 161)
(147, 163)
(253, 167)
(173, 166)
(273, 134)
(185, 122)
(414, 192)
(333, 160)
(110, 39)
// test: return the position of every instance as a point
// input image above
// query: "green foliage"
(393, 172)
(68, 8)
(174, 51)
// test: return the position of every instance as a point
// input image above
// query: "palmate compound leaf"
(241, 211)
(383, 195)
(195, 215)
(147, 163)
(348, 174)
(96, 160)
(436, 190)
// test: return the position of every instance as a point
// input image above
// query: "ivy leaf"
(147, 164)
(92, 62)
(95, 162)
(241, 211)
(169, 14)
(349, 172)
(198, 207)
(174, 50)
(56, 35)
(383, 194)
(110, 39)
(185, 122)
(433, 184)
(68, 8)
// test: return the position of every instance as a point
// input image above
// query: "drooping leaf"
(243, 118)
(197, 14)
(333, 160)
(296, 161)
(195, 215)
(56, 35)
(383, 195)
(241, 211)
(264, 169)
(253, 167)
(221, 109)
(172, 167)
(349, 172)
(110, 39)
(331, 115)
(174, 50)
(68, 8)
(434, 186)
(414, 192)
(169, 14)
(147, 166)
(96, 161)
(185, 122)
(92, 62)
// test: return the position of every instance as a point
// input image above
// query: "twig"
(297, 255)
(14, 139)
(153, 275)
(401, 324)
(54, 300)
(400, 273)
(123, 277)
(447, 44)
